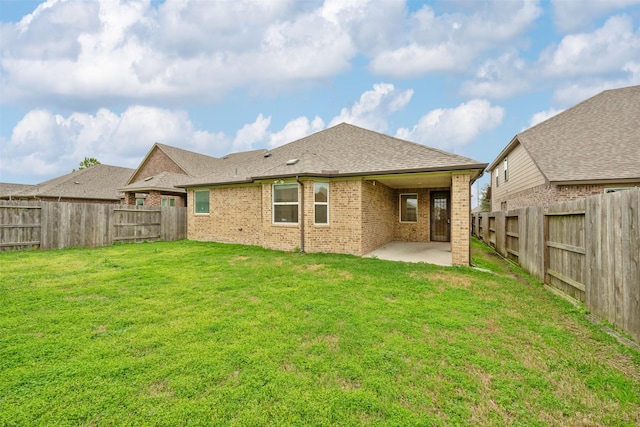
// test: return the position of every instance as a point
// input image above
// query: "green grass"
(189, 333)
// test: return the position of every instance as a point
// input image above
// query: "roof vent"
(292, 162)
(148, 179)
(76, 182)
(267, 155)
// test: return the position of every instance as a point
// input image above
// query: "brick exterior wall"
(344, 233)
(362, 217)
(156, 163)
(413, 231)
(379, 215)
(548, 194)
(460, 219)
(235, 215)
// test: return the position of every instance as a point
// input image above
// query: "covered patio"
(438, 253)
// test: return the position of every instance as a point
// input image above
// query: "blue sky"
(107, 79)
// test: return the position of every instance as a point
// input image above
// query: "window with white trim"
(201, 201)
(285, 203)
(408, 208)
(497, 176)
(321, 203)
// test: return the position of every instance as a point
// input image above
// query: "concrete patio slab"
(432, 253)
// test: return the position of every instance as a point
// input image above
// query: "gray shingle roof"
(343, 150)
(9, 190)
(164, 181)
(99, 182)
(597, 139)
(193, 164)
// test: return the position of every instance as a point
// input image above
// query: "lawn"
(188, 333)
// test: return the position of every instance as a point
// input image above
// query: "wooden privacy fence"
(589, 249)
(57, 225)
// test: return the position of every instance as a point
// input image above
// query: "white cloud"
(108, 51)
(605, 50)
(294, 130)
(251, 133)
(499, 78)
(43, 145)
(541, 116)
(373, 107)
(448, 128)
(452, 41)
(574, 15)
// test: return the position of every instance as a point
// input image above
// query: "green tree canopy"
(87, 163)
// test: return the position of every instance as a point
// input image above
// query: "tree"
(87, 163)
(485, 198)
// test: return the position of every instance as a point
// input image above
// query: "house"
(342, 190)
(591, 148)
(96, 184)
(9, 190)
(154, 182)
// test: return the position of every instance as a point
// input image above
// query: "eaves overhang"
(503, 153)
(478, 167)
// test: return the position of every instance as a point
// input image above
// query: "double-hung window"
(285, 203)
(321, 203)
(497, 176)
(408, 208)
(506, 175)
(201, 201)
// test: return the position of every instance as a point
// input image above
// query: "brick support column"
(129, 198)
(460, 219)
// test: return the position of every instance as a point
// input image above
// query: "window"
(506, 175)
(140, 201)
(168, 202)
(201, 198)
(285, 203)
(408, 208)
(497, 176)
(321, 202)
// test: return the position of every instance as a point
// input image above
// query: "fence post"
(545, 246)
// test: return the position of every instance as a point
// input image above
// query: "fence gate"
(512, 238)
(136, 225)
(20, 226)
(564, 247)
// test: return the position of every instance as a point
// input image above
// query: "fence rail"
(589, 249)
(57, 225)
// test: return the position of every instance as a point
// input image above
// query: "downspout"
(301, 214)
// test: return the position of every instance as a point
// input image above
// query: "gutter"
(301, 213)
(335, 174)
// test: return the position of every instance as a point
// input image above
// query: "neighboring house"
(591, 148)
(154, 181)
(341, 190)
(8, 190)
(96, 184)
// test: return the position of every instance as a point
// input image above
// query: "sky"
(107, 78)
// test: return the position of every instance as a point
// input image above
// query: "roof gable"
(597, 139)
(173, 160)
